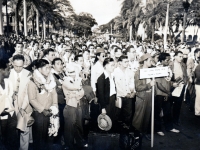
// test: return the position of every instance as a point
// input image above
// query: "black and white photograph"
(99, 74)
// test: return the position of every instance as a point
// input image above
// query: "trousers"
(9, 132)
(41, 139)
(162, 103)
(73, 129)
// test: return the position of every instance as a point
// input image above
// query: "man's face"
(124, 63)
(19, 48)
(148, 62)
(110, 66)
(80, 61)
(58, 66)
(197, 54)
(36, 46)
(83, 47)
(91, 49)
(45, 70)
(166, 61)
(47, 45)
(102, 57)
(132, 53)
(51, 56)
(118, 53)
(86, 55)
(179, 57)
(25, 44)
(18, 65)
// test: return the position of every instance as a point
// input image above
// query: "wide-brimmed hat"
(100, 50)
(70, 70)
(144, 57)
(104, 122)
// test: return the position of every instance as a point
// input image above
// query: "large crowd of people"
(57, 90)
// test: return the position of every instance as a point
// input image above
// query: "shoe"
(174, 130)
(147, 137)
(160, 133)
(85, 145)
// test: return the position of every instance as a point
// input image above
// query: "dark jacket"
(103, 90)
(140, 86)
(59, 90)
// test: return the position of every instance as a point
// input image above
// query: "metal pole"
(152, 117)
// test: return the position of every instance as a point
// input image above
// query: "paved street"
(187, 139)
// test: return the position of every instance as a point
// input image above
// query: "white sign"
(153, 72)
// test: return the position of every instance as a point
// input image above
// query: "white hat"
(104, 122)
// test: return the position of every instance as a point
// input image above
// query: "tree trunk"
(7, 19)
(131, 29)
(1, 18)
(184, 23)
(33, 26)
(166, 26)
(16, 22)
(25, 19)
(37, 23)
(44, 29)
(153, 31)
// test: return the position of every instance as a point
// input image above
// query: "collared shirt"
(112, 83)
(177, 70)
(96, 71)
(124, 81)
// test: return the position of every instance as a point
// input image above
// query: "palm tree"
(1, 18)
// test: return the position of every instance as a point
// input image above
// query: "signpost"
(153, 73)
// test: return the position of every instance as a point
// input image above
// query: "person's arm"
(67, 84)
(139, 86)
(32, 95)
(163, 89)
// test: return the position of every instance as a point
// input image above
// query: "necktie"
(17, 88)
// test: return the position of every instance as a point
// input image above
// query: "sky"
(102, 10)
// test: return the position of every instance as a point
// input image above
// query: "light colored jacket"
(73, 91)
(22, 98)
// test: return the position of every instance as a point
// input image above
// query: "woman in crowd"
(42, 95)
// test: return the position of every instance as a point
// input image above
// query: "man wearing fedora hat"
(143, 89)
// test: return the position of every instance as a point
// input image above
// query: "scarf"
(43, 84)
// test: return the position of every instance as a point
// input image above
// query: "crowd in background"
(57, 90)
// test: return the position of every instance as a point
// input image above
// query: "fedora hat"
(100, 50)
(144, 57)
(104, 122)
